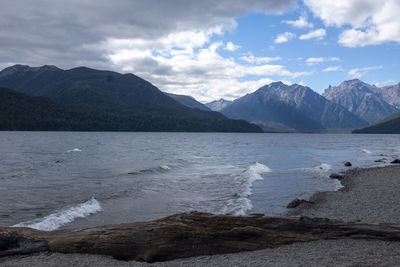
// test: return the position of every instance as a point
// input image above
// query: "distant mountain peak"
(356, 84)
(46, 67)
(14, 69)
(281, 87)
(276, 83)
(353, 81)
(281, 107)
(19, 68)
(218, 105)
(360, 98)
(390, 94)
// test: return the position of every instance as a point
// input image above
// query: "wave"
(366, 151)
(240, 203)
(64, 216)
(161, 168)
(254, 172)
(74, 150)
(165, 167)
(323, 168)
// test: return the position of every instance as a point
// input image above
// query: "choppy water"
(50, 180)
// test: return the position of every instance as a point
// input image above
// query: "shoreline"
(369, 195)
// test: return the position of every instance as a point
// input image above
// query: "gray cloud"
(59, 32)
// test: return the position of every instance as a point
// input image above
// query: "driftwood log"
(187, 235)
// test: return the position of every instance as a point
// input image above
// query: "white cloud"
(194, 66)
(373, 22)
(301, 22)
(315, 60)
(250, 58)
(231, 47)
(301, 83)
(284, 37)
(332, 68)
(360, 72)
(318, 34)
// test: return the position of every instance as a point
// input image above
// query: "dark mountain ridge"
(20, 112)
(114, 94)
(96, 90)
(188, 101)
(390, 125)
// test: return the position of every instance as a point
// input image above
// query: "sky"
(209, 49)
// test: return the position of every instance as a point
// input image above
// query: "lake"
(52, 180)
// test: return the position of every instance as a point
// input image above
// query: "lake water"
(51, 180)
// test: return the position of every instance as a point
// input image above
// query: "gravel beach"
(368, 195)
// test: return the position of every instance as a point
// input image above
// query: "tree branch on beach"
(188, 234)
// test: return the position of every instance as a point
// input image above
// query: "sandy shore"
(370, 195)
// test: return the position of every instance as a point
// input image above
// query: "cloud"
(231, 47)
(250, 58)
(56, 32)
(315, 60)
(202, 73)
(360, 72)
(316, 34)
(284, 37)
(333, 68)
(165, 42)
(301, 22)
(373, 22)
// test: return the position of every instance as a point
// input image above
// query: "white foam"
(366, 151)
(165, 167)
(242, 203)
(255, 170)
(74, 150)
(64, 216)
(337, 184)
(322, 168)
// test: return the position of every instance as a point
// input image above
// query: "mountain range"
(127, 102)
(364, 100)
(121, 96)
(391, 94)
(294, 108)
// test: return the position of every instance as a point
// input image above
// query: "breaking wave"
(366, 151)
(241, 203)
(323, 168)
(74, 150)
(64, 216)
